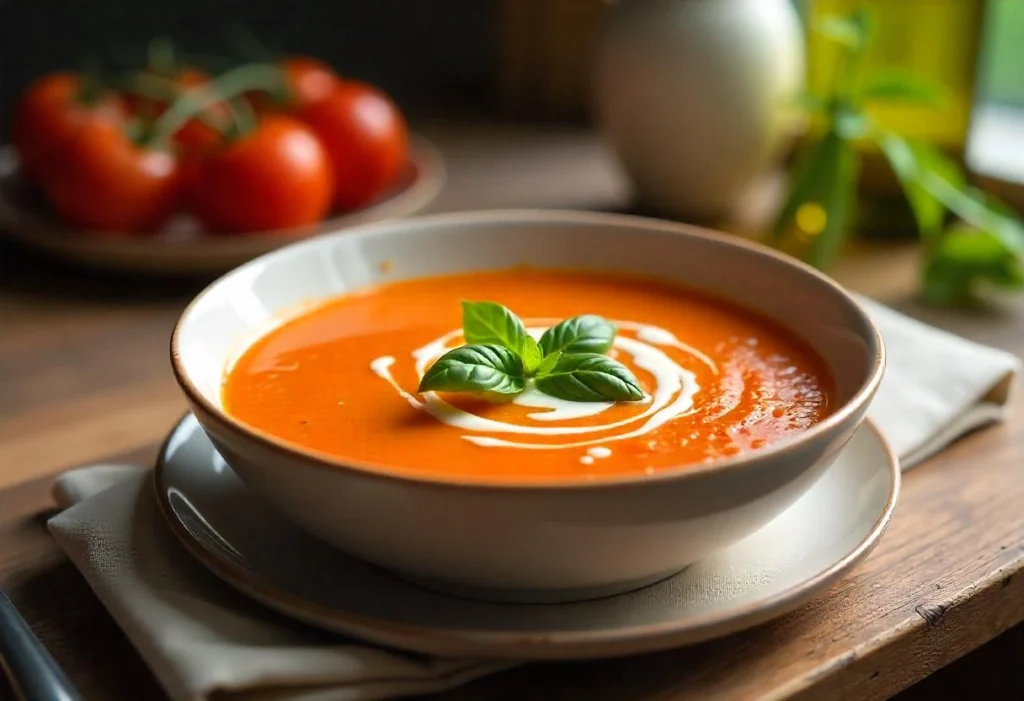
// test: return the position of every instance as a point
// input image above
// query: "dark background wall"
(428, 53)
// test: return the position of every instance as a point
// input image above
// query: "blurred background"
(693, 99)
(528, 56)
(421, 52)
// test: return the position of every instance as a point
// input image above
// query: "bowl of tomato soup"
(528, 405)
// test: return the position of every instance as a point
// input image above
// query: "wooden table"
(84, 376)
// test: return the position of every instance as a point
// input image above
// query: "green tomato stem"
(150, 86)
(224, 88)
(156, 88)
(243, 119)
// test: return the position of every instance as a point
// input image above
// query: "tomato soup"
(341, 380)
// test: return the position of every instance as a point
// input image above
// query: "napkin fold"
(937, 386)
(205, 641)
(202, 639)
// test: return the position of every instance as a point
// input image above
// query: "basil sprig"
(587, 333)
(482, 368)
(501, 357)
(490, 322)
(590, 377)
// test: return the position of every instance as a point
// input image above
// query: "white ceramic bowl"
(557, 541)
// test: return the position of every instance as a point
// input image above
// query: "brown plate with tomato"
(170, 169)
(183, 245)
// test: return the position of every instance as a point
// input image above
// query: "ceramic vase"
(696, 97)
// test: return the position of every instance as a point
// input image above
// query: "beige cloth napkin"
(204, 641)
(937, 386)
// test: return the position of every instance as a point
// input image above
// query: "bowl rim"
(380, 471)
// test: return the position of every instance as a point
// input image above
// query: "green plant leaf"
(492, 323)
(828, 178)
(1000, 207)
(481, 369)
(810, 169)
(531, 354)
(815, 104)
(837, 198)
(933, 182)
(587, 333)
(981, 211)
(850, 124)
(944, 284)
(915, 164)
(548, 364)
(964, 260)
(970, 246)
(590, 377)
(985, 249)
(853, 30)
(902, 87)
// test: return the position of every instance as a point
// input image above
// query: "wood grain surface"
(84, 377)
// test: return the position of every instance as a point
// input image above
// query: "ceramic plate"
(182, 247)
(797, 556)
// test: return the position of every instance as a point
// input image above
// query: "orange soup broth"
(310, 382)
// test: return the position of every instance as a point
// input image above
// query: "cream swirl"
(673, 390)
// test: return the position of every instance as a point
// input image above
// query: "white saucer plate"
(793, 559)
(182, 248)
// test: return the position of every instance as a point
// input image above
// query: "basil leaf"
(492, 323)
(531, 354)
(587, 333)
(548, 364)
(483, 369)
(590, 377)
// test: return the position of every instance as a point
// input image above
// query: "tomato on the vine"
(108, 182)
(198, 136)
(366, 138)
(47, 116)
(277, 176)
(306, 80)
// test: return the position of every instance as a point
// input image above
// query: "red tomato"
(277, 176)
(46, 117)
(110, 184)
(366, 138)
(307, 80)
